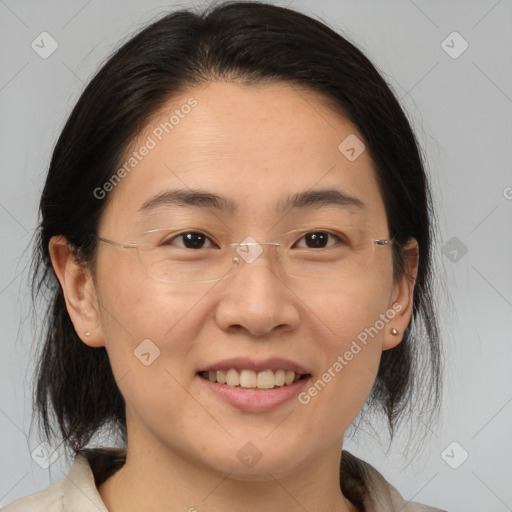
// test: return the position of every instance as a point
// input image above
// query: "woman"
(236, 232)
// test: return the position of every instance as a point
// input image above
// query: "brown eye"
(190, 240)
(319, 239)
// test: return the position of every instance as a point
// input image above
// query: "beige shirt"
(77, 491)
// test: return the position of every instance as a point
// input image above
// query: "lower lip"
(254, 400)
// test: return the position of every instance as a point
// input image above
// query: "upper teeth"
(266, 379)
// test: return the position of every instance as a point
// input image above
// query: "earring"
(88, 333)
(394, 331)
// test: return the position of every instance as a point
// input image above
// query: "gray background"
(461, 109)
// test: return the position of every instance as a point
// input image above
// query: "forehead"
(256, 145)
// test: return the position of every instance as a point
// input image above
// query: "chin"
(253, 464)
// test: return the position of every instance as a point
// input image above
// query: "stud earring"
(394, 331)
(88, 333)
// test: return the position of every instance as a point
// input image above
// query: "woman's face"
(256, 146)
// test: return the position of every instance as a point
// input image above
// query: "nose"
(256, 296)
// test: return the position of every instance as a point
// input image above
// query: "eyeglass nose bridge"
(250, 250)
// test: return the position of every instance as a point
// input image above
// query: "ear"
(402, 297)
(79, 291)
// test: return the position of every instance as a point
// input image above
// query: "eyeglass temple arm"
(117, 244)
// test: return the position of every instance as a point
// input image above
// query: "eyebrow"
(203, 199)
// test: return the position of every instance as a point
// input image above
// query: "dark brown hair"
(250, 43)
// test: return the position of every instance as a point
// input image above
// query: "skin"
(182, 440)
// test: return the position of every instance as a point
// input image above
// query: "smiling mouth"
(250, 379)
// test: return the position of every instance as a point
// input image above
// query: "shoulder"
(369, 490)
(49, 500)
(76, 491)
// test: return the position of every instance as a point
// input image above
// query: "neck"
(159, 479)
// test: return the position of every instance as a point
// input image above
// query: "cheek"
(350, 311)
(352, 318)
(141, 316)
(149, 334)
